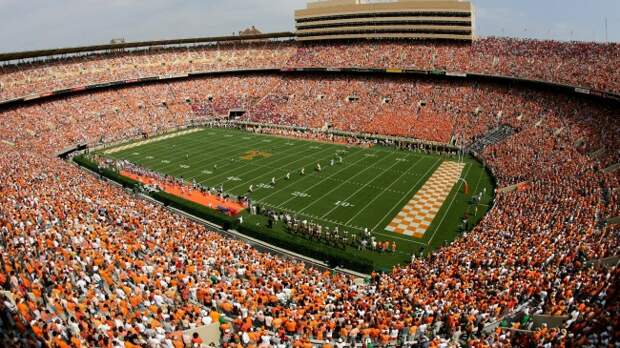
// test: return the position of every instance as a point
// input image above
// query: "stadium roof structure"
(4, 57)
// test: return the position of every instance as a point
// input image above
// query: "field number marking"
(343, 204)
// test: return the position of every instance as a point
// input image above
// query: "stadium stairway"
(493, 136)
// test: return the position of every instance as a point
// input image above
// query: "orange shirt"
(215, 316)
(130, 345)
(60, 343)
(37, 330)
(227, 307)
(75, 342)
(290, 325)
(23, 309)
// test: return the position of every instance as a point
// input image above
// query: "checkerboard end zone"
(417, 215)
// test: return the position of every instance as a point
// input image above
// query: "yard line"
(293, 153)
(222, 157)
(306, 177)
(338, 186)
(350, 182)
(201, 142)
(133, 143)
(458, 187)
(412, 152)
(362, 184)
(384, 190)
(159, 145)
(478, 181)
(400, 238)
(192, 138)
(396, 171)
(474, 192)
(285, 186)
(408, 193)
(226, 159)
(321, 159)
(174, 167)
(476, 188)
(359, 189)
(192, 148)
(185, 145)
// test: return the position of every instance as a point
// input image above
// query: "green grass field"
(365, 191)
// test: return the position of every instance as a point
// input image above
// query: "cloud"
(38, 24)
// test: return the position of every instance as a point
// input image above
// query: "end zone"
(417, 215)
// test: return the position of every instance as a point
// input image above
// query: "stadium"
(379, 177)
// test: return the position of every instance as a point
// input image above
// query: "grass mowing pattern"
(367, 190)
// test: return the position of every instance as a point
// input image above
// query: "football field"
(356, 188)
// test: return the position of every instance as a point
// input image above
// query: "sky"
(41, 24)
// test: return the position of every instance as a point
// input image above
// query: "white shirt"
(245, 338)
(265, 339)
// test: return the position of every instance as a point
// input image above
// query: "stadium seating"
(89, 264)
(573, 63)
(586, 65)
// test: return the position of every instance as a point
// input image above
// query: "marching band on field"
(317, 232)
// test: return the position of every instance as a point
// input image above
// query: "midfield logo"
(250, 155)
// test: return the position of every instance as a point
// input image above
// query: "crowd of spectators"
(574, 63)
(18, 80)
(379, 106)
(588, 65)
(88, 264)
(428, 110)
